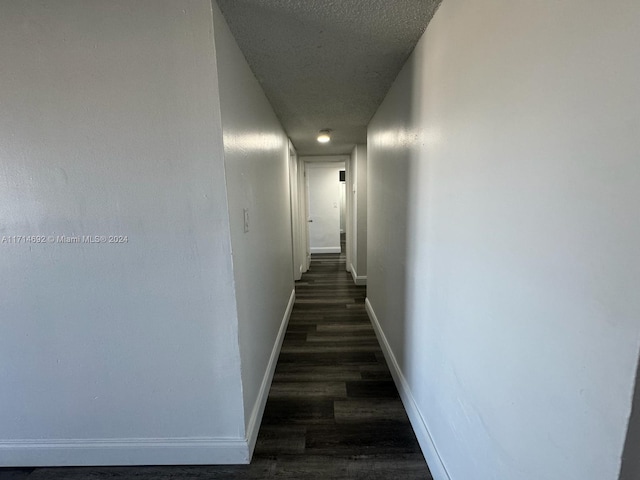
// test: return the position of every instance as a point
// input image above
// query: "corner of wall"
(357, 279)
(258, 408)
(428, 446)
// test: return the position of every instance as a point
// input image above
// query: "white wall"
(110, 125)
(343, 209)
(358, 192)
(303, 214)
(503, 264)
(323, 184)
(257, 172)
(298, 222)
(348, 164)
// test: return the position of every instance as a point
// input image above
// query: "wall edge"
(258, 408)
(357, 279)
(427, 445)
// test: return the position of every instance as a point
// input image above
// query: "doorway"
(325, 199)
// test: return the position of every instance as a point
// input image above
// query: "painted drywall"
(298, 223)
(257, 172)
(348, 164)
(503, 264)
(303, 214)
(343, 207)
(358, 190)
(114, 353)
(323, 184)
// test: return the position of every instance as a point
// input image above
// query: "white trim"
(429, 450)
(326, 249)
(258, 408)
(148, 451)
(123, 451)
(358, 280)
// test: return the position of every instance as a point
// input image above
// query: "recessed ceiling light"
(324, 136)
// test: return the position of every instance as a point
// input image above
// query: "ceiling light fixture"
(324, 136)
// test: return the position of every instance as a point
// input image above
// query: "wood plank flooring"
(333, 411)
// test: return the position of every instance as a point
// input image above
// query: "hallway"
(333, 410)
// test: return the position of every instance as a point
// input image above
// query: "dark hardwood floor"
(333, 411)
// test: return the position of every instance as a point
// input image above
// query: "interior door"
(323, 189)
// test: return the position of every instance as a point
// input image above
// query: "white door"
(323, 188)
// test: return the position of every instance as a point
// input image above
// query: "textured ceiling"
(326, 64)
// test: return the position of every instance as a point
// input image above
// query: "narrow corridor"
(333, 411)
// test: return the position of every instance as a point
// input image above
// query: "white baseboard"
(358, 279)
(429, 450)
(258, 408)
(148, 451)
(127, 451)
(326, 249)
